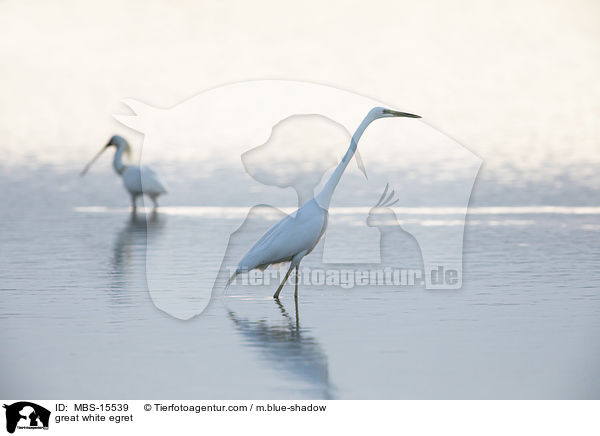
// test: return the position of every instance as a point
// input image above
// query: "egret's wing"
(271, 233)
(151, 183)
(293, 234)
(253, 258)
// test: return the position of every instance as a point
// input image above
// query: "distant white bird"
(137, 180)
(297, 234)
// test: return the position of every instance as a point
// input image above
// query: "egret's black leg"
(296, 292)
(278, 291)
(297, 317)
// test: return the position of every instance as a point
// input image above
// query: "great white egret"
(297, 234)
(137, 180)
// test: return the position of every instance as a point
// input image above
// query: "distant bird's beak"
(87, 167)
(399, 114)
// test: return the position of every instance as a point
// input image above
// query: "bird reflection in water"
(289, 347)
(129, 251)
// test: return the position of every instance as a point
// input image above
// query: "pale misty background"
(514, 82)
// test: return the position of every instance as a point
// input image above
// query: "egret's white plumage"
(138, 180)
(297, 234)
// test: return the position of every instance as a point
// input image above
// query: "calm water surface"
(77, 319)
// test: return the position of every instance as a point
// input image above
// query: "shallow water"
(77, 318)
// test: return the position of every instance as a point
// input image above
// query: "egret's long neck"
(118, 159)
(324, 197)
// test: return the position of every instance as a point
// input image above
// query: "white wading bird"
(137, 180)
(297, 234)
